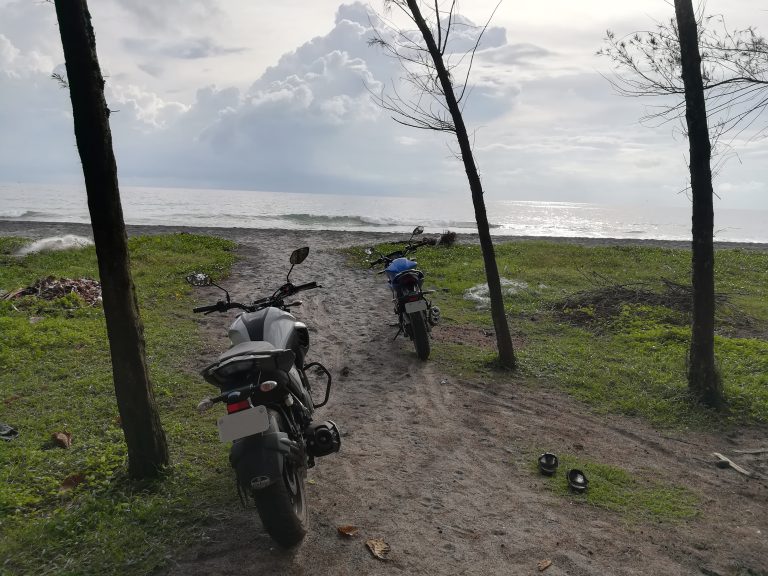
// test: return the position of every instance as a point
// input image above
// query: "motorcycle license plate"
(417, 306)
(245, 423)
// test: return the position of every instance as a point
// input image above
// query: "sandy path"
(439, 467)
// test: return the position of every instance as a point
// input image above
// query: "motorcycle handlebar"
(276, 299)
(220, 307)
(401, 253)
(307, 286)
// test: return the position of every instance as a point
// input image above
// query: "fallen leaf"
(311, 481)
(62, 439)
(347, 531)
(544, 564)
(378, 548)
(72, 481)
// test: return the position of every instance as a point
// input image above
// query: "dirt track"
(440, 468)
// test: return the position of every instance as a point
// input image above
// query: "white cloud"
(145, 107)
(200, 106)
(8, 53)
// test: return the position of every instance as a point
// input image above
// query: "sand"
(439, 466)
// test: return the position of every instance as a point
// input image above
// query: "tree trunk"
(144, 436)
(703, 380)
(503, 338)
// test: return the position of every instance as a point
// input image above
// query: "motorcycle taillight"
(412, 298)
(238, 406)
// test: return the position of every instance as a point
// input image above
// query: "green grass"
(636, 497)
(55, 375)
(633, 362)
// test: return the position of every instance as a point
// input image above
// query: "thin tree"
(144, 436)
(438, 106)
(703, 379)
(695, 66)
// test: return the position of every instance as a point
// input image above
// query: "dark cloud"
(171, 14)
(515, 54)
(464, 35)
(185, 49)
(151, 68)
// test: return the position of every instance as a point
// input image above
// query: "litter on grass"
(55, 243)
(7, 433)
(480, 294)
(51, 288)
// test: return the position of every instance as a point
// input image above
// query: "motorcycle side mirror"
(299, 255)
(418, 230)
(199, 279)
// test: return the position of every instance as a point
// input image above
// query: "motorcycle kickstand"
(400, 331)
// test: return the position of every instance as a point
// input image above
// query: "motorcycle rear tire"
(419, 335)
(283, 506)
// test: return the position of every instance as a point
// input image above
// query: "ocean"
(283, 210)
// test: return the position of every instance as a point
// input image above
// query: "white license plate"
(417, 306)
(241, 424)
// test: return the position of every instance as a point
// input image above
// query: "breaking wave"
(24, 215)
(325, 221)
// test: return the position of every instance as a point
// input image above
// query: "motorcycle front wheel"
(419, 335)
(283, 506)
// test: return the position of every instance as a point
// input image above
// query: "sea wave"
(355, 221)
(24, 215)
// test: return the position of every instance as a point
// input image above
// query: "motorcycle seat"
(283, 359)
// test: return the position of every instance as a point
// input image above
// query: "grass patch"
(615, 489)
(55, 375)
(632, 361)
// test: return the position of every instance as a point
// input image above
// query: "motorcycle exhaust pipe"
(434, 315)
(322, 439)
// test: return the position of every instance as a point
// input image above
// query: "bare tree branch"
(734, 68)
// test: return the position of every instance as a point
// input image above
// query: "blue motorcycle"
(415, 313)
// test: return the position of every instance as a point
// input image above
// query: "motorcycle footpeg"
(322, 438)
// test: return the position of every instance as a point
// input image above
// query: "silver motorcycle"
(265, 384)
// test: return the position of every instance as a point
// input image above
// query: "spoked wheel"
(419, 335)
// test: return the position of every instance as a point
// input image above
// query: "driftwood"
(724, 462)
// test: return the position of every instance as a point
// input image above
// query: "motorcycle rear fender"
(258, 460)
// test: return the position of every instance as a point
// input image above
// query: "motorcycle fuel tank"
(279, 328)
(269, 324)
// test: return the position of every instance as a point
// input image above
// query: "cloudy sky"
(275, 96)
